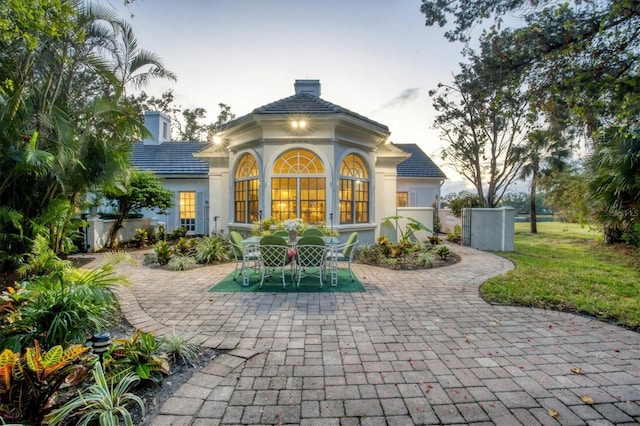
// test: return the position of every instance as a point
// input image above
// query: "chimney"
(159, 125)
(308, 86)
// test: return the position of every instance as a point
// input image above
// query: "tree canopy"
(579, 64)
(135, 191)
(64, 130)
(484, 116)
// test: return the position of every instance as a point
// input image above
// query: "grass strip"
(569, 268)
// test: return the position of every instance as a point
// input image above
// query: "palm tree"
(545, 152)
(614, 181)
(63, 126)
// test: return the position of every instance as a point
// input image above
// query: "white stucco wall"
(97, 233)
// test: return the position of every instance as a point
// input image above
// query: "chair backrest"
(310, 251)
(274, 251)
(312, 231)
(313, 240)
(273, 240)
(281, 233)
(236, 243)
(347, 251)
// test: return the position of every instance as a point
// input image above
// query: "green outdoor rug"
(274, 284)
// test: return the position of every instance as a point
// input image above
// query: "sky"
(374, 57)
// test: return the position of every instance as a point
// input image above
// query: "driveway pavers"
(418, 347)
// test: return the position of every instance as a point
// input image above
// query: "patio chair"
(252, 254)
(312, 232)
(274, 257)
(344, 252)
(310, 256)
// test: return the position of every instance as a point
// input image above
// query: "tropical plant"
(179, 232)
(443, 251)
(177, 347)
(28, 382)
(367, 253)
(426, 259)
(61, 224)
(614, 181)
(212, 249)
(181, 262)
(65, 306)
(140, 353)
(102, 401)
(12, 238)
(150, 259)
(185, 246)
(163, 252)
(141, 238)
(434, 239)
(63, 129)
(455, 236)
(411, 226)
(42, 260)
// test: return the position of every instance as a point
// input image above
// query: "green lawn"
(569, 268)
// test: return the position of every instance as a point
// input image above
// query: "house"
(300, 156)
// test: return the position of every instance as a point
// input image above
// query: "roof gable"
(170, 158)
(419, 164)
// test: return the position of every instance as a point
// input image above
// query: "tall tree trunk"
(532, 209)
(117, 225)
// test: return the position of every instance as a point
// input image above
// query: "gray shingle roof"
(304, 103)
(419, 164)
(170, 158)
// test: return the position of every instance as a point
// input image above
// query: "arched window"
(245, 190)
(298, 187)
(354, 190)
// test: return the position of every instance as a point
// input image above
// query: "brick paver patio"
(418, 347)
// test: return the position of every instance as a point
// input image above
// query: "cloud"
(402, 99)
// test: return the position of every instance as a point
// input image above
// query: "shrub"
(434, 239)
(163, 252)
(426, 259)
(185, 246)
(42, 260)
(369, 254)
(178, 348)
(456, 235)
(632, 237)
(443, 251)
(101, 401)
(141, 238)
(140, 353)
(181, 263)
(456, 205)
(180, 232)
(150, 259)
(64, 307)
(212, 249)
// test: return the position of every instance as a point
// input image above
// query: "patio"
(417, 347)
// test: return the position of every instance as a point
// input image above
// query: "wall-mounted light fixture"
(298, 124)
